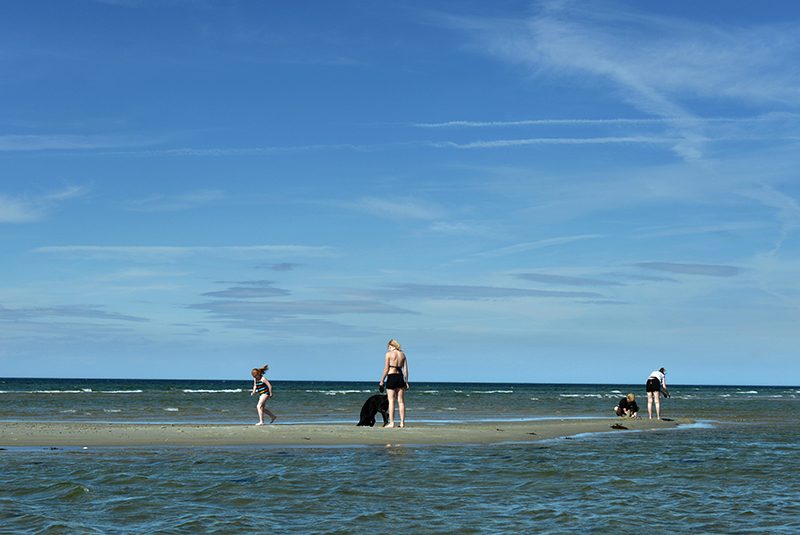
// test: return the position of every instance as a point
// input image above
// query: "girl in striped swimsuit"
(263, 388)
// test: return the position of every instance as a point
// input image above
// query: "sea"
(733, 470)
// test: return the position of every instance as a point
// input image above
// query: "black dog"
(379, 403)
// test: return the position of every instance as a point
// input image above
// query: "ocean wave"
(747, 392)
(206, 391)
(121, 391)
(112, 410)
(581, 395)
(494, 392)
(430, 391)
(57, 391)
(171, 409)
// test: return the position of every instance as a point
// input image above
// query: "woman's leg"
(650, 404)
(402, 405)
(391, 393)
(657, 397)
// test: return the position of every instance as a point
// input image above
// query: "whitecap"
(121, 391)
(747, 392)
(112, 410)
(494, 392)
(56, 392)
(204, 391)
(171, 409)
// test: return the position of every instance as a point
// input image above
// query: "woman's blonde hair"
(259, 371)
(630, 397)
(395, 344)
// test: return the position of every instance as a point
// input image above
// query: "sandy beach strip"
(101, 434)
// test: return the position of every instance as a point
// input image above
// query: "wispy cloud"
(280, 266)
(787, 209)
(174, 203)
(660, 65)
(500, 143)
(566, 280)
(539, 244)
(65, 142)
(720, 228)
(540, 122)
(708, 270)
(133, 251)
(65, 311)
(268, 310)
(468, 292)
(35, 208)
(397, 208)
(249, 290)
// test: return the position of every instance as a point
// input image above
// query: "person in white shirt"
(655, 386)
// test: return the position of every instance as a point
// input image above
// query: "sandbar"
(79, 434)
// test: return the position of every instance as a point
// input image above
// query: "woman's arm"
(254, 387)
(405, 369)
(385, 369)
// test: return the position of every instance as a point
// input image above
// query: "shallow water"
(733, 473)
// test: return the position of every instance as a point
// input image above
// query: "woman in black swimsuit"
(395, 372)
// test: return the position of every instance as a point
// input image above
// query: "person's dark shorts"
(395, 381)
(652, 385)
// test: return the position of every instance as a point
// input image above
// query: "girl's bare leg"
(269, 413)
(391, 395)
(402, 406)
(650, 405)
(261, 408)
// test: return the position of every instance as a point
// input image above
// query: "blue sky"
(517, 191)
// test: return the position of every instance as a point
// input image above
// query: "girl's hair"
(662, 370)
(630, 397)
(259, 371)
(395, 344)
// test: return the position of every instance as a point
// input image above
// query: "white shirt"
(658, 375)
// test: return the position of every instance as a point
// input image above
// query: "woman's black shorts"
(652, 385)
(395, 381)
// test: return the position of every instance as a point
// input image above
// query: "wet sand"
(101, 434)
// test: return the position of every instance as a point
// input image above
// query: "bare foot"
(260, 423)
(389, 425)
(273, 419)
